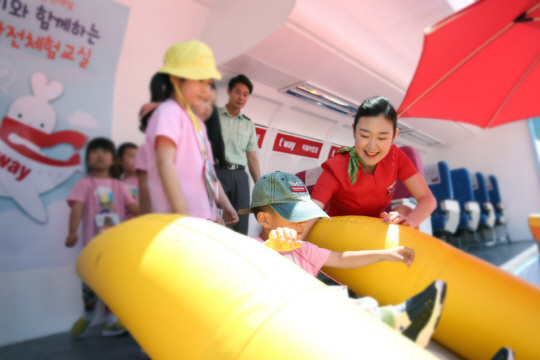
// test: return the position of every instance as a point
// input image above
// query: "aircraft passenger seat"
(470, 209)
(445, 218)
(500, 210)
(487, 212)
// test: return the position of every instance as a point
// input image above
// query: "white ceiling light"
(321, 97)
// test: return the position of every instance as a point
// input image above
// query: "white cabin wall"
(505, 151)
(44, 301)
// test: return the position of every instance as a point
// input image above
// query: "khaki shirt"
(238, 135)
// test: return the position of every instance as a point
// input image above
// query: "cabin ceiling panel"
(399, 24)
(295, 53)
(386, 36)
(299, 121)
(449, 133)
(207, 3)
(234, 26)
(259, 71)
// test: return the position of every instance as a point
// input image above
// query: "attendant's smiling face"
(373, 137)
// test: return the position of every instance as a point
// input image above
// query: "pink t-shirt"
(132, 184)
(170, 120)
(309, 257)
(99, 195)
(140, 158)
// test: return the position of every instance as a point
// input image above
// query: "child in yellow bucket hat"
(179, 158)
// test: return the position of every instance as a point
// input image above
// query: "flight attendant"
(361, 180)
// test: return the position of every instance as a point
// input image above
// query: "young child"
(99, 202)
(126, 162)
(282, 206)
(181, 177)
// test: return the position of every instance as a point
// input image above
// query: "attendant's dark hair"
(242, 79)
(99, 143)
(213, 129)
(376, 106)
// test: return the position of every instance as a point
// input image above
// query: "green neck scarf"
(353, 162)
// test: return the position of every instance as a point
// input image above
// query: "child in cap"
(181, 177)
(282, 206)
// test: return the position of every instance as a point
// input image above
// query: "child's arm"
(74, 221)
(134, 208)
(230, 215)
(219, 219)
(165, 152)
(355, 259)
(145, 206)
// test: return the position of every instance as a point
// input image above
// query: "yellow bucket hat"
(192, 60)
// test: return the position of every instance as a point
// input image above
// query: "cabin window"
(534, 126)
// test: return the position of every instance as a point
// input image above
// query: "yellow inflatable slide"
(187, 288)
(486, 308)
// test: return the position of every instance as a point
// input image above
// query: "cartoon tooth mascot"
(25, 172)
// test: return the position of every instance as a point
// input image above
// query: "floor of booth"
(520, 258)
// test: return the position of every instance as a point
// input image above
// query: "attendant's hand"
(396, 218)
(283, 239)
(400, 254)
(230, 215)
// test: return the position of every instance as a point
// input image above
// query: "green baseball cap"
(287, 195)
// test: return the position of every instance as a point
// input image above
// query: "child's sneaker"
(144, 355)
(114, 329)
(81, 326)
(504, 354)
(420, 314)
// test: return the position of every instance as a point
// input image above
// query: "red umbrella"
(480, 66)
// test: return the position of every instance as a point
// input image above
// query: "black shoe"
(424, 311)
(504, 354)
